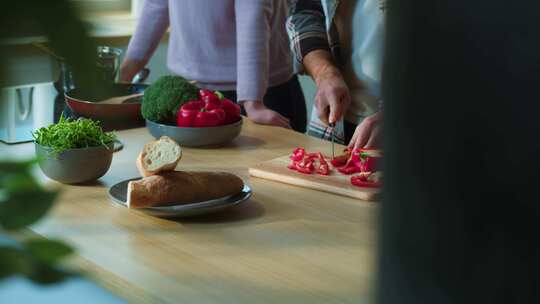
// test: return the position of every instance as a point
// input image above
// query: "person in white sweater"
(237, 46)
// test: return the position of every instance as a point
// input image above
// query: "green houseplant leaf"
(47, 251)
(23, 202)
(25, 208)
(12, 262)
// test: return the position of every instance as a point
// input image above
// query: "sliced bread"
(159, 156)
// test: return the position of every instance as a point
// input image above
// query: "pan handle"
(117, 145)
(141, 76)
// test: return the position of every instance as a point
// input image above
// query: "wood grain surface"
(337, 183)
(287, 244)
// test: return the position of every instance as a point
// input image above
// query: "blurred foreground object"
(461, 212)
(22, 200)
(58, 21)
(22, 203)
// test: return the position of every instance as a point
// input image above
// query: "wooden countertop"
(286, 245)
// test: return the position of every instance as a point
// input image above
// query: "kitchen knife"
(332, 125)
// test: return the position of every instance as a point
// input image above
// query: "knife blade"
(332, 125)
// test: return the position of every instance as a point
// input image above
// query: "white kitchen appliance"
(24, 109)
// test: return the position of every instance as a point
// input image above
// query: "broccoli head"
(164, 97)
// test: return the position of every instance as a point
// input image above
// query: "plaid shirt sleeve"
(307, 30)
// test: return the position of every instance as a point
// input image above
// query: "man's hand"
(333, 98)
(129, 68)
(368, 132)
(259, 113)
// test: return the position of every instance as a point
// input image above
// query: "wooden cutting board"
(337, 183)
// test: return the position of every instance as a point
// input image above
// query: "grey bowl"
(75, 166)
(196, 137)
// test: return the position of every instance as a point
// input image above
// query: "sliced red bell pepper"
(369, 164)
(348, 170)
(292, 165)
(371, 160)
(298, 154)
(352, 165)
(341, 160)
(312, 155)
(305, 166)
(323, 169)
(360, 182)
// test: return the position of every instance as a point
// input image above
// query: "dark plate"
(118, 194)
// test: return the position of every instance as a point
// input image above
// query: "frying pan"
(86, 102)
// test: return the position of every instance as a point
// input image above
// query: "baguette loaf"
(180, 187)
(158, 156)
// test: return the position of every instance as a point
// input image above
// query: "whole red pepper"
(200, 114)
(209, 97)
(232, 110)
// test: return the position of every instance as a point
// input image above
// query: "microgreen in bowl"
(72, 134)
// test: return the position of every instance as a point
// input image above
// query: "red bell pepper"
(298, 154)
(200, 114)
(323, 169)
(352, 165)
(312, 155)
(292, 165)
(370, 160)
(369, 164)
(232, 110)
(359, 182)
(349, 169)
(341, 160)
(209, 97)
(305, 166)
(303, 162)
(367, 179)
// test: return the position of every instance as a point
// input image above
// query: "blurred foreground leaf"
(23, 208)
(12, 262)
(47, 251)
(23, 201)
